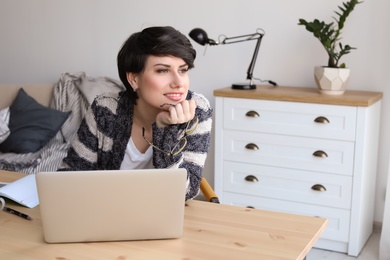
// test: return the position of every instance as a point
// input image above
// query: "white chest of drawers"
(294, 150)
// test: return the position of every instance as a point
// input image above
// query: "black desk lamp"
(200, 36)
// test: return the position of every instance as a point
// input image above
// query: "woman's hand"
(176, 114)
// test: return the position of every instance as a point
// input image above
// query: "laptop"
(91, 206)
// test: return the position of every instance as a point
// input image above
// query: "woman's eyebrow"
(167, 65)
(161, 64)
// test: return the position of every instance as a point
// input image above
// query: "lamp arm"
(249, 74)
(241, 38)
(247, 37)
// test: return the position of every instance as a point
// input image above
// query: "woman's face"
(163, 82)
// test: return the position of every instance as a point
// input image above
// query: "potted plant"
(333, 78)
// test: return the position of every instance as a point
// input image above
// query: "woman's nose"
(177, 81)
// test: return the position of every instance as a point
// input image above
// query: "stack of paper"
(23, 191)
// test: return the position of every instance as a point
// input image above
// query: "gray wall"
(43, 38)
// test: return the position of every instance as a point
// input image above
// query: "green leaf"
(329, 33)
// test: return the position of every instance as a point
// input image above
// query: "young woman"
(157, 122)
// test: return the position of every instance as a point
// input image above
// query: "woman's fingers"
(182, 112)
(178, 114)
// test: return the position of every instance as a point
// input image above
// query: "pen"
(17, 213)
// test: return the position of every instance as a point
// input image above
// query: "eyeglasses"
(179, 146)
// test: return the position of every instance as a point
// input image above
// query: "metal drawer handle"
(252, 146)
(318, 187)
(251, 178)
(322, 120)
(320, 153)
(252, 114)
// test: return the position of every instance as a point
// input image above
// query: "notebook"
(90, 206)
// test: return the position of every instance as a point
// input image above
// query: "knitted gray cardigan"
(105, 131)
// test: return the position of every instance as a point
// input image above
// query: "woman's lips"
(174, 96)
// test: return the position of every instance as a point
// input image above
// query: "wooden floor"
(369, 252)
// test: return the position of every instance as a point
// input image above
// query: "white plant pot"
(331, 81)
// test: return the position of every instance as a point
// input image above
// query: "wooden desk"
(211, 231)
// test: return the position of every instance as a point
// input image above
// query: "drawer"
(291, 118)
(289, 151)
(338, 219)
(287, 184)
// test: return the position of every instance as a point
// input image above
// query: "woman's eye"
(184, 71)
(162, 71)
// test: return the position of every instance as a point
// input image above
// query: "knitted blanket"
(75, 93)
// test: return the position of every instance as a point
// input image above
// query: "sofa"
(44, 119)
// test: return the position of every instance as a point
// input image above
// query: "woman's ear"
(132, 79)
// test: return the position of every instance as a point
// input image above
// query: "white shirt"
(134, 159)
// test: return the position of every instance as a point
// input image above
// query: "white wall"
(41, 39)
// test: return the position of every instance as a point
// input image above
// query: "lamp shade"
(200, 36)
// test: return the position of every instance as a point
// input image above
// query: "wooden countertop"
(301, 94)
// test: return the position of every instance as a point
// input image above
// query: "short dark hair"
(156, 41)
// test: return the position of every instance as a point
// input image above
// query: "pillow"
(4, 121)
(31, 124)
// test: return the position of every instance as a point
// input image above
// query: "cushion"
(31, 124)
(4, 121)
